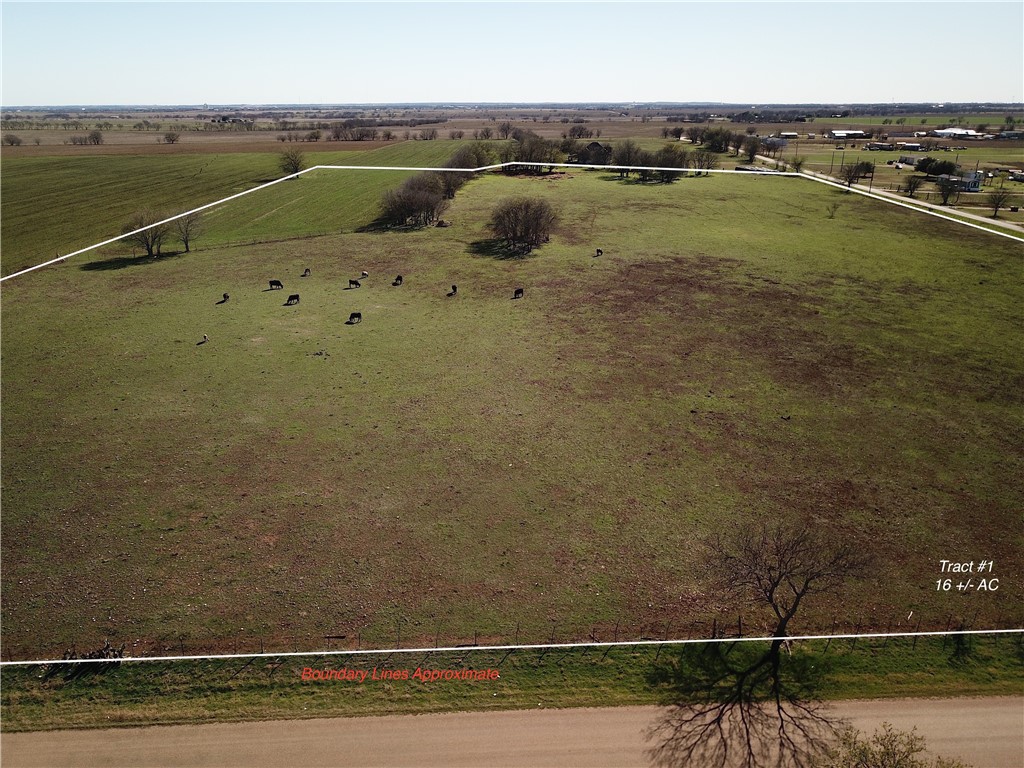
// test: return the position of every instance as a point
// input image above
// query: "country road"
(984, 732)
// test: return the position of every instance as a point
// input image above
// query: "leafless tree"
(505, 130)
(751, 146)
(911, 184)
(946, 187)
(188, 228)
(146, 233)
(705, 160)
(523, 223)
(886, 748)
(292, 161)
(172, 137)
(752, 704)
(850, 173)
(997, 199)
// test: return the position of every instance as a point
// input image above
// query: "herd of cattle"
(357, 317)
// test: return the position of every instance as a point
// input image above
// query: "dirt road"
(985, 732)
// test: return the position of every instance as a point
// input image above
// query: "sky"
(185, 53)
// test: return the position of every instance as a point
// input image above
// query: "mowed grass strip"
(55, 205)
(458, 466)
(168, 693)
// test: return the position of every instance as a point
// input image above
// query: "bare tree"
(292, 161)
(912, 184)
(997, 199)
(705, 160)
(626, 153)
(947, 187)
(887, 748)
(172, 137)
(188, 228)
(752, 704)
(505, 130)
(850, 173)
(523, 223)
(145, 232)
(751, 146)
(12, 140)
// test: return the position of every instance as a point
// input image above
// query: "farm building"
(959, 133)
(846, 135)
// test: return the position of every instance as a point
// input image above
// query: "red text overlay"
(346, 675)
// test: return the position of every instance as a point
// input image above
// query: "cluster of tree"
(932, 166)
(527, 147)
(580, 132)
(12, 140)
(421, 199)
(523, 223)
(147, 230)
(93, 137)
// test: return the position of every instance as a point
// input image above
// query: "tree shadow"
(121, 262)
(496, 248)
(380, 224)
(744, 704)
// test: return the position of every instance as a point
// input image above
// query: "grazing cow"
(276, 284)
(518, 293)
(599, 253)
(365, 274)
(205, 339)
(398, 281)
(355, 317)
(353, 283)
(293, 299)
(455, 290)
(226, 297)
(307, 273)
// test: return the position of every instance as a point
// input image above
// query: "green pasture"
(51, 206)
(476, 466)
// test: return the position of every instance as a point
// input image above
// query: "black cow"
(226, 297)
(398, 281)
(276, 284)
(293, 299)
(599, 253)
(355, 317)
(365, 274)
(518, 293)
(307, 273)
(353, 283)
(455, 290)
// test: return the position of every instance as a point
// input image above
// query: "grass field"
(470, 465)
(56, 205)
(229, 690)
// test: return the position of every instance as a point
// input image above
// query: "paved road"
(986, 732)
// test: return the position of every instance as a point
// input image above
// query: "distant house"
(1014, 135)
(595, 153)
(969, 181)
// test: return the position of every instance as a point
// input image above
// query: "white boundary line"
(537, 647)
(764, 172)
